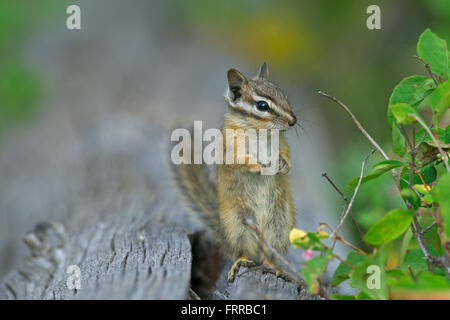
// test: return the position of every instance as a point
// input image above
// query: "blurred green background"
(323, 43)
(309, 45)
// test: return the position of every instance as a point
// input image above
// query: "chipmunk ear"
(237, 84)
(263, 72)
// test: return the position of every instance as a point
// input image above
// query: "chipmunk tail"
(197, 190)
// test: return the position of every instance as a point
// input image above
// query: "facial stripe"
(246, 105)
(273, 107)
(284, 114)
(249, 113)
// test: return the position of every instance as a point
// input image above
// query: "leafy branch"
(424, 190)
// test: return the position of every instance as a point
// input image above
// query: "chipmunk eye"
(262, 106)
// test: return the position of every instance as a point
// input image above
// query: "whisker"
(296, 132)
(304, 130)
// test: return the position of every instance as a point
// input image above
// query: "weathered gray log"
(259, 284)
(127, 258)
(249, 283)
(123, 259)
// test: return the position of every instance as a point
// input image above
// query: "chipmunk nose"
(294, 121)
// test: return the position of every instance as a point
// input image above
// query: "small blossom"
(307, 254)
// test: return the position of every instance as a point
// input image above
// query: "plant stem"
(360, 127)
(412, 187)
(344, 241)
(298, 276)
(349, 207)
(427, 66)
(436, 142)
(361, 234)
(417, 235)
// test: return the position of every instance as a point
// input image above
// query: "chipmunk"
(240, 191)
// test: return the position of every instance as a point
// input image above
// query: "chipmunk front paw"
(284, 166)
(240, 262)
(253, 165)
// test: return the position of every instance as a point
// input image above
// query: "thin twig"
(361, 234)
(427, 66)
(420, 143)
(344, 241)
(349, 207)
(430, 259)
(350, 245)
(335, 187)
(403, 131)
(344, 262)
(445, 243)
(412, 187)
(420, 177)
(252, 226)
(411, 273)
(413, 152)
(360, 127)
(415, 225)
(436, 142)
(428, 228)
(414, 228)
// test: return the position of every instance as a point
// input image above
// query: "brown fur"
(241, 192)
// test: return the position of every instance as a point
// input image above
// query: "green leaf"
(342, 297)
(406, 92)
(360, 277)
(440, 101)
(422, 91)
(402, 113)
(377, 170)
(425, 281)
(395, 276)
(427, 199)
(309, 241)
(311, 271)
(433, 50)
(441, 193)
(447, 135)
(411, 196)
(342, 272)
(390, 227)
(398, 141)
(416, 260)
(442, 135)
(363, 296)
(428, 173)
(315, 243)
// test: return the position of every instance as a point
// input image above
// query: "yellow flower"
(321, 234)
(422, 188)
(296, 234)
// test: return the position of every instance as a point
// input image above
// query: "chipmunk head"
(258, 103)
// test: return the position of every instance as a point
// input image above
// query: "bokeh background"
(84, 114)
